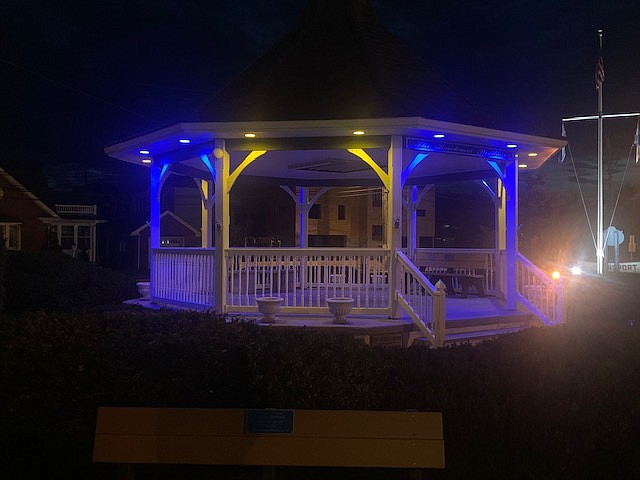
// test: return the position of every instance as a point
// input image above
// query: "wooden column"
(154, 221)
(207, 214)
(221, 225)
(303, 208)
(394, 219)
(511, 224)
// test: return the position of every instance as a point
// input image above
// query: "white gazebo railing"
(542, 295)
(474, 261)
(422, 301)
(183, 276)
(305, 278)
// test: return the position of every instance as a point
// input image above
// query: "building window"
(421, 212)
(11, 235)
(376, 232)
(67, 236)
(342, 212)
(84, 238)
(376, 199)
(315, 212)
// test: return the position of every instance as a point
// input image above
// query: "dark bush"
(55, 281)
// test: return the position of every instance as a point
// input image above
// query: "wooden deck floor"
(466, 318)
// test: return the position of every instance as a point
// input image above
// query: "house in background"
(175, 233)
(28, 224)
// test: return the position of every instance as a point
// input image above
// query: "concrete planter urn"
(269, 308)
(340, 307)
(144, 289)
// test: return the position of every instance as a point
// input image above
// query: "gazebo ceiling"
(309, 152)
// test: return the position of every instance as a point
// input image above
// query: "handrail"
(423, 302)
(541, 294)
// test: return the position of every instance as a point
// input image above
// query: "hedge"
(544, 403)
(55, 281)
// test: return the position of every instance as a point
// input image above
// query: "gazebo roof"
(336, 73)
(339, 62)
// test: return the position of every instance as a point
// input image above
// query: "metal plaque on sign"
(268, 421)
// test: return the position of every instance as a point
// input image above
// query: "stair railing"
(540, 293)
(423, 302)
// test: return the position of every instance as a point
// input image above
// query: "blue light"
(184, 140)
(438, 135)
(512, 145)
(144, 152)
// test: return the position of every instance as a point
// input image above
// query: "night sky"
(78, 76)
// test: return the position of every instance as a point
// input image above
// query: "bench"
(464, 267)
(311, 438)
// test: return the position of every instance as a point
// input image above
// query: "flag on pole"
(636, 140)
(563, 153)
(599, 72)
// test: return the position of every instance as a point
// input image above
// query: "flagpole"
(600, 212)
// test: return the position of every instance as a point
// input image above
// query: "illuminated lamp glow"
(144, 152)
(146, 160)
(555, 275)
(532, 154)
(250, 135)
(512, 145)
(184, 140)
(523, 165)
(438, 135)
(576, 270)
(358, 132)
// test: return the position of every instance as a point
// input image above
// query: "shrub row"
(56, 281)
(544, 403)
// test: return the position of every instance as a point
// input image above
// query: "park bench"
(270, 438)
(467, 270)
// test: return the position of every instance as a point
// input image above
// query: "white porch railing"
(542, 295)
(184, 276)
(304, 278)
(76, 209)
(473, 261)
(421, 300)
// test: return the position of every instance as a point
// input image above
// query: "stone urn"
(269, 308)
(144, 289)
(340, 307)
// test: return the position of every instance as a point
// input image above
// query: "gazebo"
(333, 107)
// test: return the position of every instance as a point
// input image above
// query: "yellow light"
(146, 160)
(250, 135)
(533, 154)
(555, 275)
(523, 165)
(359, 132)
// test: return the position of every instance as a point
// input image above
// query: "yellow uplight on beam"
(359, 132)
(146, 160)
(250, 135)
(532, 154)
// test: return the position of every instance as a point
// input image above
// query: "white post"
(221, 225)
(303, 206)
(207, 214)
(412, 206)
(154, 221)
(394, 219)
(511, 214)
